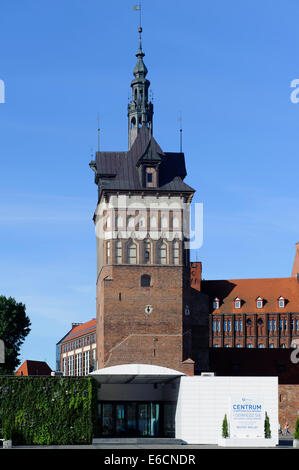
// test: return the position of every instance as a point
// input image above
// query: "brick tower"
(142, 221)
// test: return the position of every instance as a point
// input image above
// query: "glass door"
(120, 424)
(107, 419)
(131, 419)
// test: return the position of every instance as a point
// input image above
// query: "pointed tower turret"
(140, 109)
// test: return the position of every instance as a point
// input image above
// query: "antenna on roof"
(98, 119)
(180, 118)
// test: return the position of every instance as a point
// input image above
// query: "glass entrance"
(136, 419)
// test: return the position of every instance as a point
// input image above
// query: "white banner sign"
(247, 417)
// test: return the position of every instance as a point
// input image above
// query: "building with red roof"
(252, 313)
(29, 368)
(76, 352)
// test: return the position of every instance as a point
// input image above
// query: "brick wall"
(288, 400)
(126, 333)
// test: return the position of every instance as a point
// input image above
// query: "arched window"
(162, 253)
(145, 280)
(118, 252)
(133, 122)
(132, 253)
(176, 252)
(146, 251)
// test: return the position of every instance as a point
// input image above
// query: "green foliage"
(225, 432)
(14, 327)
(48, 410)
(267, 427)
(296, 431)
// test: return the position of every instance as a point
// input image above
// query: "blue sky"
(226, 65)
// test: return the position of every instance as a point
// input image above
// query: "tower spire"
(140, 109)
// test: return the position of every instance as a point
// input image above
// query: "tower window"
(131, 222)
(119, 221)
(145, 280)
(132, 253)
(118, 252)
(108, 246)
(175, 222)
(149, 177)
(163, 253)
(176, 252)
(146, 251)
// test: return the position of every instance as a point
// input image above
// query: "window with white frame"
(237, 303)
(259, 302)
(216, 303)
(281, 302)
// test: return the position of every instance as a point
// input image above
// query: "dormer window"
(281, 302)
(216, 303)
(259, 302)
(150, 177)
(237, 302)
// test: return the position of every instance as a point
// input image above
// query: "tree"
(267, 427)
(225, 433)
(14, 327)
(296, 432)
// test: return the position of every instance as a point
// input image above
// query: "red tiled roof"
(34, 368)
(81, 330)
(248, 290)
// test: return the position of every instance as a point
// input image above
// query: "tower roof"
(118, 171)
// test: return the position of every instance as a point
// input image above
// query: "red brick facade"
(138, 324)
(288, 401)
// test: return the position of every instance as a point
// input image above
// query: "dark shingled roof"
(118, 171)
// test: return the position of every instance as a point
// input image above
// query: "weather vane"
(138, 8)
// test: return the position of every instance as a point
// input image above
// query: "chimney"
(295, 272)
(195, 275)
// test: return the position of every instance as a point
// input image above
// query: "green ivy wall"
(48, 410)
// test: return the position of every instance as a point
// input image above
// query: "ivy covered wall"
(48, 410)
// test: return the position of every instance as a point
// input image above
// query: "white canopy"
(135, 374)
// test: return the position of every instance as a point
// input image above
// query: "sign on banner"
(247, 417)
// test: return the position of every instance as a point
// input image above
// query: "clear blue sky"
(226, 65)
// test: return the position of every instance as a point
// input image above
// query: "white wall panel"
(203, 402)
